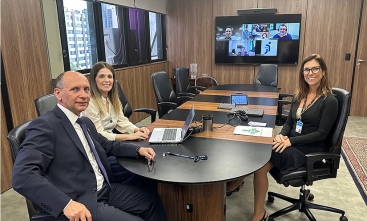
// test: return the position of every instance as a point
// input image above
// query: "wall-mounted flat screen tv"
(257, 39)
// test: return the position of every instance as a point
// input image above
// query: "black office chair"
(166, 97)
(183, 87)
(127, 110)
(268, 75)
(327, 166)
(45, 103)
(204, 82)
(15, 138)
(283, 109)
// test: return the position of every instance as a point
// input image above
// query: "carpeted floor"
(355, 156)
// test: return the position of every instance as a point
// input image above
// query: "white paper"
(254, 131)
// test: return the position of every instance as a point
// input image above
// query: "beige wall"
(52, 36)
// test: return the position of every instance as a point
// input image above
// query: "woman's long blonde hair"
(96, 94)
(303, 86)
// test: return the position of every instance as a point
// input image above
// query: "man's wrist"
(137, 151)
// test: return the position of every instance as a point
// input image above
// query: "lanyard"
(304, 104)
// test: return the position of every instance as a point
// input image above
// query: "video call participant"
(62, 163)
(105, 111)
(243, 52)
(246, 33)
(282, 33)
(312, 114)
(228, 33)
(264, 35)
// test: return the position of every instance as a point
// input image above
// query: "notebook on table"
(253, 112)
(172, 135)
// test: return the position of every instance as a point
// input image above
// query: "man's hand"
(147, 152)
(76, 211)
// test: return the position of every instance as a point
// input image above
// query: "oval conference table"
(195, 191)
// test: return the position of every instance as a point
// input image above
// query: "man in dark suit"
(62, 165)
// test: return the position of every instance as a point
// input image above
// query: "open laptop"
(172, 135)
(252, 112)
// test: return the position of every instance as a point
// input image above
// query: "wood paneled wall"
(190, 41)
(137, 86)
(6, 157)
(26, 68)
(330, 36)
(24, 55)
(331, 30)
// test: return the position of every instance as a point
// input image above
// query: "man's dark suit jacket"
(52, 166)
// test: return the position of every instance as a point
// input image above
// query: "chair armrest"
(149, 111)
(284, 102)
(186, 94)
(281, 96)
(183, 99)
(331, 158)
(168, 104)
(200, 88)
(281, 103)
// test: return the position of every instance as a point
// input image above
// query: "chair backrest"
(127, 110)
(206, 81)
(15, 138)
(45, 103)
(182, 80)
(163, 91)
(267, 75)
(334, 139)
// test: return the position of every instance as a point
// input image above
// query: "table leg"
(194, 202)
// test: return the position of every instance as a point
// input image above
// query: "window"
(93, 31)
(79, 9)
(156, 43)
(113, 34)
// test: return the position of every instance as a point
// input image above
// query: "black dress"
(317, 121)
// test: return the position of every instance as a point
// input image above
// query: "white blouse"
(106, 123)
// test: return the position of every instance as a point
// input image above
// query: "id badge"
(299, 126)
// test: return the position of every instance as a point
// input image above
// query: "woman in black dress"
(313, 112)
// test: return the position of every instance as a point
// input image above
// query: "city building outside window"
(113, 34)
(79, 14)
(156, 44)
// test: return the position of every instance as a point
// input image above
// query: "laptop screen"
(188, 120)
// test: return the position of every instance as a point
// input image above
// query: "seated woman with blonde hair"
(105, 111)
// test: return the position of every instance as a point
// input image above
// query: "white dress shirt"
(72, 117)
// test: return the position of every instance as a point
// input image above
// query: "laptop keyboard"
(169, 134)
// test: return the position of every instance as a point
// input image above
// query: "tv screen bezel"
(291, 48)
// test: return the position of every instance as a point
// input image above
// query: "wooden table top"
(230, 156)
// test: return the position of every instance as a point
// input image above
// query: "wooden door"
(359, 93)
